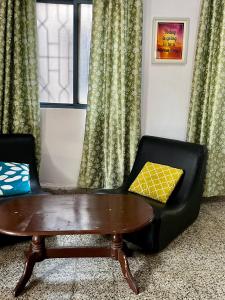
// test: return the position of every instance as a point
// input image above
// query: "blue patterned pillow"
(14, 178)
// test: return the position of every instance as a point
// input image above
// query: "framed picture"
(170, 38)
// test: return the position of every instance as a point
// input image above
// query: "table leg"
(117, 253)
(35, 254)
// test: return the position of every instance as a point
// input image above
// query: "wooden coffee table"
(49, 215)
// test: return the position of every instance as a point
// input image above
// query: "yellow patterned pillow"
(156, 181)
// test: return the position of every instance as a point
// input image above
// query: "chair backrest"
(20, 148)
(187, 156)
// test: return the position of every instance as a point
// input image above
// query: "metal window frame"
(76, 20)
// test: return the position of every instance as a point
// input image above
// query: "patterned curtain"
(207, 110)
(19, 105)
(113, 115)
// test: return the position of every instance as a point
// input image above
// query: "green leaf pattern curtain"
(113, 115)
(19, 105)
(207, 110)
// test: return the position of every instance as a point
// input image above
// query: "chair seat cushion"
(14, 178)
(156, 181)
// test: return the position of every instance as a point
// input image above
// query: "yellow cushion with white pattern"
(156, 181)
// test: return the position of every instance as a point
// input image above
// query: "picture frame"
(170, 40)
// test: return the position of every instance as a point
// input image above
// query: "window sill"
(63, 105)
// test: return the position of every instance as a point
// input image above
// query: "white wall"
(166, 88)
(62, 132)
(165, 101)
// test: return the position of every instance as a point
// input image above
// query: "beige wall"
(165, 101)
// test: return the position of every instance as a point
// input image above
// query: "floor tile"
(94, 285)
(192, 267)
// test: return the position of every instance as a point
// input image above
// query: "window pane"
(55, 42)
(84, 50)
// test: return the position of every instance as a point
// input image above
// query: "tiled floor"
(192, 267)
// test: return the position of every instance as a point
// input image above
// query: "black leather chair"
(183, 206)
(19, 148)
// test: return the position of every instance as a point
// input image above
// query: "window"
(64, 35)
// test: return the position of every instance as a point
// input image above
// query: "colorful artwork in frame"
(170, 37)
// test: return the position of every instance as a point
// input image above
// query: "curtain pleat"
(19, 103)
(206, 123)
(113, 114)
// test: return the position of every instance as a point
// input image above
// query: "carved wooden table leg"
(35, 254)
(117, 253)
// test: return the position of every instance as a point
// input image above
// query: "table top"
(73, 214)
